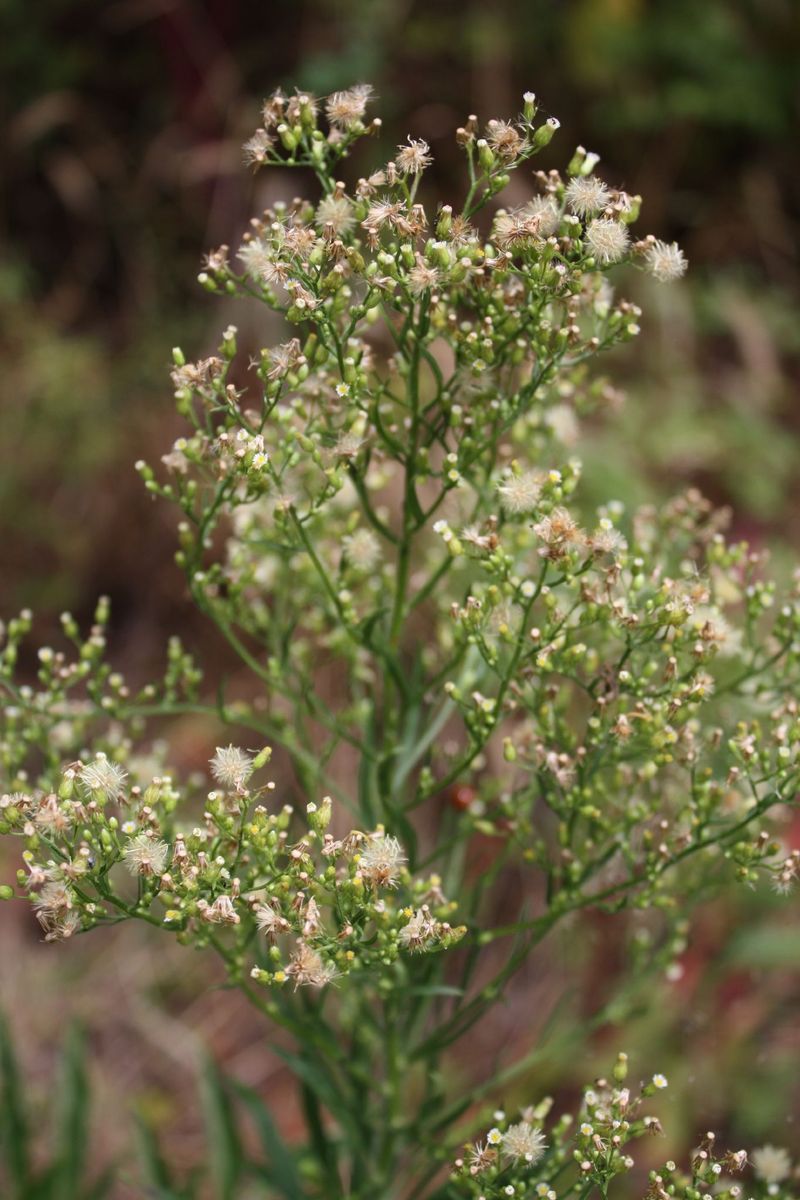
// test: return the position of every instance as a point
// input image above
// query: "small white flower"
(660, 1081)
(494, 1137)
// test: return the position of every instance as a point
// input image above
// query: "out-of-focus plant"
(604, 699)
(64, 1174)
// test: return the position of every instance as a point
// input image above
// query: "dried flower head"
(413, 158)
(362, 550)
(346, 109)
(382, 860)
(308, 968)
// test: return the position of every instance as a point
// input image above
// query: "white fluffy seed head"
(586, 195)
(145, 855)
(665, 260)
(231, 767)
(607, 240)
(520, 493)
(523, 1143)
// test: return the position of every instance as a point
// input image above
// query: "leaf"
(154, 1168)
(72, 1130)
(282, 1167)
(223, 1140)
(13, 1121)
(324, 1148)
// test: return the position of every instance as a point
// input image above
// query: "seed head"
(607, 240)
(146, 855)
(346, 109)
(520, 493)
(523, 1143)
(665, 261)
(231, 767)
(413, 158)
(382, 860)
(335, 211)
(105, 777)
(586, 195)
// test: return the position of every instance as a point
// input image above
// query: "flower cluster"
(324, 906)
(535, 1155)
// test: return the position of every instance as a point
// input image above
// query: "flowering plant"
(482, 694)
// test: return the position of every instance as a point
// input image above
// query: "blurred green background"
(120, 135)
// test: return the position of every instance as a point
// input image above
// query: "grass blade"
(13, 1121)
(223, 1140)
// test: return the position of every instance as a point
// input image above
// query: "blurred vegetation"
(120, 134)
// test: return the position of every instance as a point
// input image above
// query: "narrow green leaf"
(323, 1146)
(72, 1129)
(282, 1168)
(226, 1157)
(13, 1121)
(154, 1168)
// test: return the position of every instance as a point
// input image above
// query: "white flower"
(660, 1081)
(520, 493)
(146, 855)
(105, 777)
(771, 1163)
(607, 240)
(666, 261)
(523, 1143)
(586, 195)
(231, 767)
(382, 860)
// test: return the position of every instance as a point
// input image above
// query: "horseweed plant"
(482, 694)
